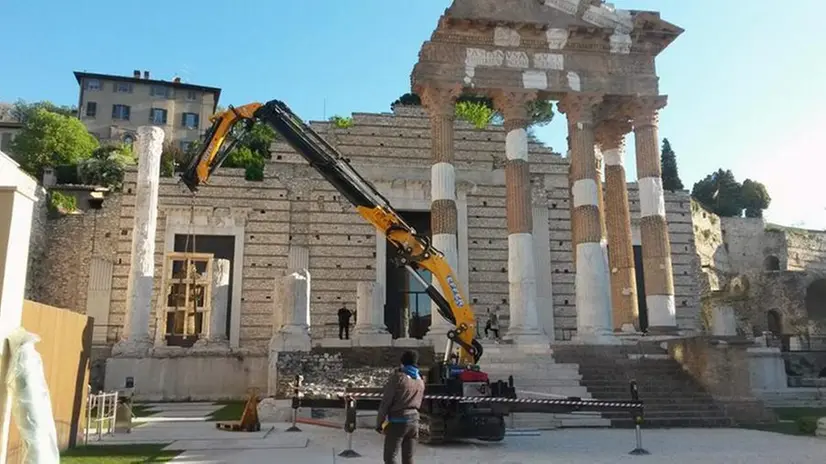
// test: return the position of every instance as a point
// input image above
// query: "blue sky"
(745, 81)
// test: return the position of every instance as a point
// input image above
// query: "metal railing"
(101, 414)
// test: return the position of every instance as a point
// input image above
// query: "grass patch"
(117, 454)
(793, 421)
(142, 410)
(229, 411)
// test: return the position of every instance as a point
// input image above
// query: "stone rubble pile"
(324, 374)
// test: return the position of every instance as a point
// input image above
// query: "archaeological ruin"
(206, 296)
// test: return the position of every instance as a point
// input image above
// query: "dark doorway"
(222, 247)
(643, 307)
(816, 300)
(771, 263)
(404, 293)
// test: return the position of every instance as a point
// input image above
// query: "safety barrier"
(101, 414)
(349, 400)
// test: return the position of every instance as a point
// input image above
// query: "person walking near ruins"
(398, 413)
(344, 315)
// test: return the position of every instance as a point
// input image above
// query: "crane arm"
(414, 251)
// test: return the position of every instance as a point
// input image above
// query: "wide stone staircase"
(537, 375)
(671, 397)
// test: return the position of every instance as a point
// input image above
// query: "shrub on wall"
(341, 122)
(61, 203)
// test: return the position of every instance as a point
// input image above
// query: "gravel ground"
(568, 446)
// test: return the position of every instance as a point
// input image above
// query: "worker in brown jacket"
(399, 406)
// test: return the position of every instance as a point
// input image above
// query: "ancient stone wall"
(36, 279)
(805, 249)
(293, 205)
(61, 272)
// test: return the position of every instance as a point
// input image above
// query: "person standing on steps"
(492, 325)
(344, 315)
(399, 409)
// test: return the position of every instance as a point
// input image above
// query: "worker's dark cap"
(410, 358)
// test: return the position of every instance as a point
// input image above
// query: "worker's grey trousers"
(402, 435)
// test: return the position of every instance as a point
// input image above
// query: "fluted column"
(611, 140)
(656, 246)
(439, 102)
(593, 297)
(524, 319)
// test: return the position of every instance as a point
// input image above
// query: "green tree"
(172, 156)
(720, 192)
(670, 176)
(755, 198)
(50, 139)
(341, 122)
(106, 166)
(251, 161)
(22, 110)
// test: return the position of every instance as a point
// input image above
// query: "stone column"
(593, 294)
(137, 339)
(524, 319)
(370, 329)
(293, 297)
(656, 246)
(439, 102)
(611, 139)
(217, 334)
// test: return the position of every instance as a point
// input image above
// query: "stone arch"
(816, 299)
(128, 139)
(771, 263)
(774, 322)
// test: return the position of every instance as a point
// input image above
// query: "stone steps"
(537, 375)
(671, 397)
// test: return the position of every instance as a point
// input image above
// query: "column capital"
(610, 134)
(439, 99)
(579, 106)
(644, 111)
(514, 107)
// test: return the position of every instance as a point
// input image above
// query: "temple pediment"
(556, 46)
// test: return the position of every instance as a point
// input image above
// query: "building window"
(128, 139)
(5, 141)
(192, 95)
(123, 87)
(91, 109)
(189, 120)
(185, 145)
(93, 84)
(157, 116)
(159, 91)
(120, 112)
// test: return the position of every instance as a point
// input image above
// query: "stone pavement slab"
(568, 446)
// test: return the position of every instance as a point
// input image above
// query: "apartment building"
(113, 107)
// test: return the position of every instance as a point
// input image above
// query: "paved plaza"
(185, 428)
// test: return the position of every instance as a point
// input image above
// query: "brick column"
(439, 102)
(611, 140)
(593, 294)
(656, 246)
(524, 318)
